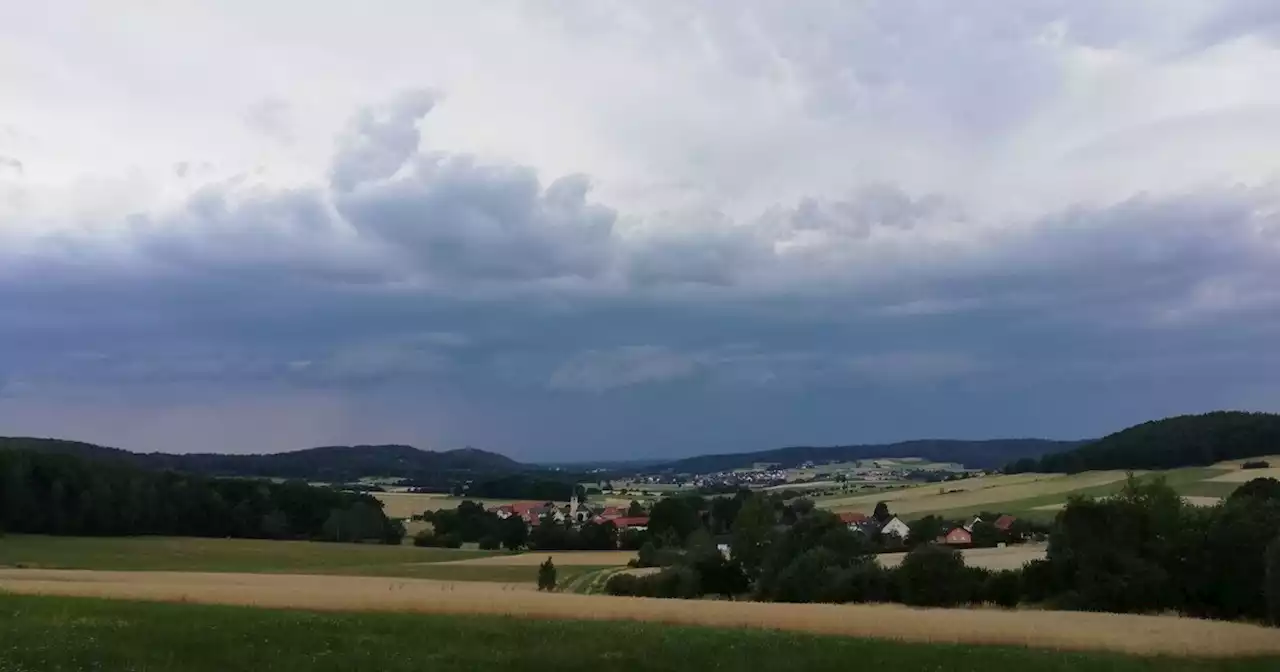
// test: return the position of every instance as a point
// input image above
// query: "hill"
(975, 454)
(329, 463)
(1181, 441)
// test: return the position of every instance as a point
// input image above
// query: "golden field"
(1164, 635)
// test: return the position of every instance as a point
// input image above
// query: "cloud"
(829, 222)
(10, 166)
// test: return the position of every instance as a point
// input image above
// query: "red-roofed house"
(633, 523)
(611, 513)
(957, 537)
(1005, 523)
(852, 519)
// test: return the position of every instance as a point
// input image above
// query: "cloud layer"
(664, 229)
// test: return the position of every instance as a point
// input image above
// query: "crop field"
(185, 554)
(72, 634)
(1147, 635)
(1009, 557)
(1036, 496)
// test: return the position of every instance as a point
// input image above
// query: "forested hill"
(1182, 441)
(328, 464)
(974, 454)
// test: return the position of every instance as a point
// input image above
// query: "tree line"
(59, 494)
(1141, 551)
(1182, 441)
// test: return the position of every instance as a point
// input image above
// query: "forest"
(59, 494)
(1182, 441)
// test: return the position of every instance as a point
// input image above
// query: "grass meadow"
(72, 634)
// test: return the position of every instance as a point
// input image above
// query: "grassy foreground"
(46, 633)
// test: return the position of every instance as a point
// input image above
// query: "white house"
(896, 526)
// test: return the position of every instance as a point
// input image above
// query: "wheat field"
(1164, 635)
(975, 492)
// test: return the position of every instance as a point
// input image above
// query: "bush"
(673, 582)
(934, 576)
(863, 582)
(1273, 581)
(547, 575)
(1256, 464)
(490, 543)
(430, 539)
(1003, 588)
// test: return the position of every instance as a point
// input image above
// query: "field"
(1148, 635)
(1038, 496)
(83, 634)
(1009, 557)
(406, 504)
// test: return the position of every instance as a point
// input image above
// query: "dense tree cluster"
(470, 522)
(1183, 441)
(52, 493)
(525, 486)
(1143, 550)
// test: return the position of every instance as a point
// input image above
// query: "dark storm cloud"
(801, 324)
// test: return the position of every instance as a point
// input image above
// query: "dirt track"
(1082, 631)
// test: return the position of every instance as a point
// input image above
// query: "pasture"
(36, 629)
(1036, 496)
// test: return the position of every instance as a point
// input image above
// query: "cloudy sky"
(590, 229)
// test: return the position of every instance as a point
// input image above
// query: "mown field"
(72, 634)
(1039, 496)
(173, 554)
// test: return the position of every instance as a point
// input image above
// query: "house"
(957, 537)
(531, 513)
(640, 523)
(1005, 523)
(897, 527)
(611, 513)
(973, 523)
(577, 512)
(853, 520)
(868, 527)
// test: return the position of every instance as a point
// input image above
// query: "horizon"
(663, 230)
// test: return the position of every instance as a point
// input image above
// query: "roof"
(631, 521)
(1003, 523)
(852, 517)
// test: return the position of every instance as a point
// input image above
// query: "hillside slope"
(975, 454)
(1181, 441)
(329, 463)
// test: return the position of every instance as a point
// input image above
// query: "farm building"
(1005, 523)
(897, 527)
(956, 537)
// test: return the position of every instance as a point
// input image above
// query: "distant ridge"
(987, 454)
(1179, 441)
(327, 463)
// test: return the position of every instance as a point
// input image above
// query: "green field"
(172, 554)
(70, 634)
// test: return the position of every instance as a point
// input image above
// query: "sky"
(593, 229)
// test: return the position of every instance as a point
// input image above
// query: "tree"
(986, 535)
(636, 510)
(751, 530)
(547, 575)
(1273, 581)
(678, 515)
(882, 514)
(934, 576)
(513, 533)
(925, 530)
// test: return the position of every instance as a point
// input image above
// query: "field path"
(1165, 635)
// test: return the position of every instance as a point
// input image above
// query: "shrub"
(490, 543)
(426, 538)
(547, 575)
(1003, 588)
(1256, 464)
(863, 582)
(934, 576)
